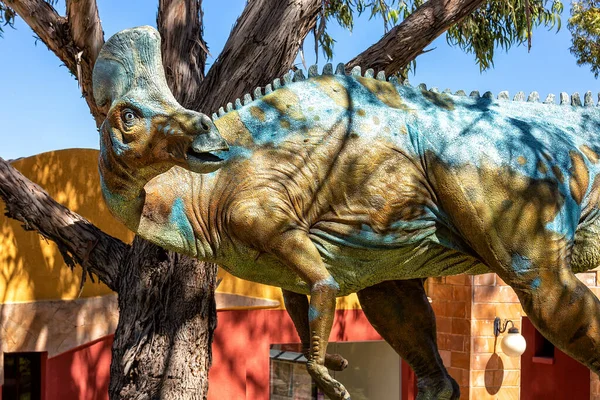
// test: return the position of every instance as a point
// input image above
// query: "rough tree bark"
(167, 316)
(79, 240)
(167, 309)
(86, 33)
(407, 40)
(183, 48)
(55, 31)
(262, 46)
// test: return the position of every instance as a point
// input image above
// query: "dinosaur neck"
(122, 189)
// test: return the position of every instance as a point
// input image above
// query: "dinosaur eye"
(128, 117)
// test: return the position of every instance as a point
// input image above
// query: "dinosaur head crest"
(145, 126)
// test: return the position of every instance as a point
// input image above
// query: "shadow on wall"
(32, 268)
(41, 307)
(494, 374)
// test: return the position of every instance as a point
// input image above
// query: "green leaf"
(584, 25)
(501, 23)
(7, 17)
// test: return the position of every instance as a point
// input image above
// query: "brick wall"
(451, 301)
(465, 308)
(591, 280)
(493, 374)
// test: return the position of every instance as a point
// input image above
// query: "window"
(289, 378)
(373, 372)
(22, 376)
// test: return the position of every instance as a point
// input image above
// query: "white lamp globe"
(513, 343)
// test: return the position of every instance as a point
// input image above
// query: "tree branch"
(406, 41)
(55, 31)
(78, 240)
(262, 46)
(86, 33)
(183, 48)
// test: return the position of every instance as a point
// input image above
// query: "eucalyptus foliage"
(497, 23)
(584, 25)
(503, 24)
(343, 12)
(7, 17)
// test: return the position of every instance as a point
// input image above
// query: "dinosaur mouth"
(202, 162)
(202, 157)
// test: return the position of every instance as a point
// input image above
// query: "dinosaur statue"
(350, 183)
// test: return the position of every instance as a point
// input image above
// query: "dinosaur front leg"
(295, 250)
(402, 315)
(297, 308)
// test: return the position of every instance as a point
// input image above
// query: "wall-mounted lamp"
(513, 344)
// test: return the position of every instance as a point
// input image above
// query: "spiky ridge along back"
(298, 75)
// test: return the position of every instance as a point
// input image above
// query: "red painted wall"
(240, 368)
(81, 373)
(565, 379)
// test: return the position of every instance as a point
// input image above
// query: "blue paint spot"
(179, 219)
(313, 314)
(236, 152)
(520, 264)
(536, 283)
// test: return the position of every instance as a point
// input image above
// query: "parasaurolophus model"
(348, 183)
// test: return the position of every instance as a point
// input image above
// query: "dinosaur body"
(346, 183)
(362, 182)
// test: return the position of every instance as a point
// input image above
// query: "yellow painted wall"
(33, 269)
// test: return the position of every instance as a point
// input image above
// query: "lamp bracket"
(500, 326)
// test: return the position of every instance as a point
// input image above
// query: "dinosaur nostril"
(205, 123)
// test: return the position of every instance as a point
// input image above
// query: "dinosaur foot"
(439, 389)
(332, 388)
(335, 362)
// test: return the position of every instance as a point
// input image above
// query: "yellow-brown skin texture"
(344, 196)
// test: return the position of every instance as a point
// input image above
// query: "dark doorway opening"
(22, 376)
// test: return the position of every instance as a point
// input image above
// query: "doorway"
(548, 373)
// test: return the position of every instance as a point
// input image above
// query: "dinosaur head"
(146, 128)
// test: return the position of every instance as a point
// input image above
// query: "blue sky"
(41, 107)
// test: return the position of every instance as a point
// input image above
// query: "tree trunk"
(262, 46)
(162, 346)
(183, 48)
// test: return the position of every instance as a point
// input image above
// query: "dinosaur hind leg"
(520, 227)
(563, 309)
(402, 315)
(297, 308)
